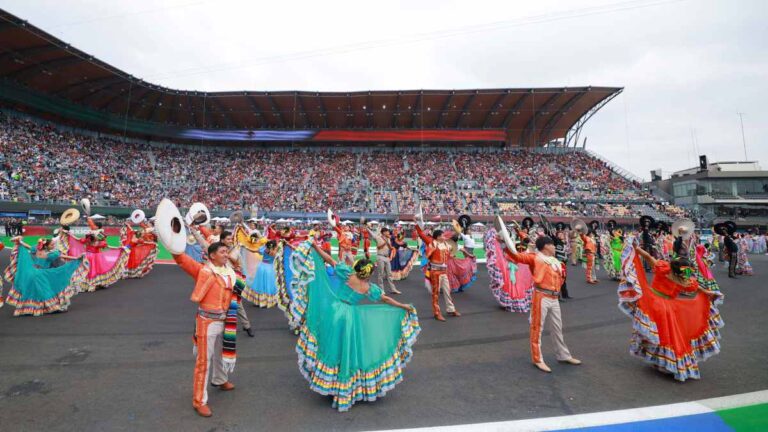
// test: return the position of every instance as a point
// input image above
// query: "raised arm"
(20, 241)
(651, 260)
(188, 264)
(520, 258)
(423, 236)
(327, 258)
(199, 237)
(205, 231)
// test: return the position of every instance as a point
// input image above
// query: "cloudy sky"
(688, 66)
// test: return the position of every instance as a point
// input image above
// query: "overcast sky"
(686, 65)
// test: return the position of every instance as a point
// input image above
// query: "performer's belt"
(212, 315)
(386, 257)
(437, 267)
(547, 292)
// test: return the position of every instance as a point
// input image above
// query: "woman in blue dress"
(404, 259)
(262, 291)
(41, 282)
(346, 350)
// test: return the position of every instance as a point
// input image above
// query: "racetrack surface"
(121, 359)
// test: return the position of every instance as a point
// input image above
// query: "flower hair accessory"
(363, 270)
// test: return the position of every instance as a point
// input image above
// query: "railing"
(617, 169)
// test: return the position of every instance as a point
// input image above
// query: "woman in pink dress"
(511, 283)
(107, 264)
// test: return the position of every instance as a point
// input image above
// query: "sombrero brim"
(194, 210)
(86, 203)
(70, 216)
(169, 227)
(138, 216)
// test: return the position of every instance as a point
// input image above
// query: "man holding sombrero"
(217, 294)
(727, 230)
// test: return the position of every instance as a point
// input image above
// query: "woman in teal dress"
(346, 350)
(38, 285)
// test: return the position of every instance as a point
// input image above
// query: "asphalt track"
(121, 359)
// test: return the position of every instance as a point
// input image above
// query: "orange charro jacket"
(211, 291)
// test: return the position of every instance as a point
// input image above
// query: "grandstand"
(73, 126)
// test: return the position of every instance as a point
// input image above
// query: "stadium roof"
(44, 74)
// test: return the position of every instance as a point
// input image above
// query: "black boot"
(249, 331)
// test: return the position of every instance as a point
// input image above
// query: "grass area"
(163, 254)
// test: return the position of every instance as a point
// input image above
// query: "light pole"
(743, 140)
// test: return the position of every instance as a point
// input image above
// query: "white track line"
(610, 417)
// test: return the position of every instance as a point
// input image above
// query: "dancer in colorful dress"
(349, 351)
(617, 244)
(511, 283)
(143, 249)
(37, 286)
(604, 245)
(547, 278)
(462, 272)
(404, 257)
(743, 266)
(262, 291)
(106, 264)
(675, 321)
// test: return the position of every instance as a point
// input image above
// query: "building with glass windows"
(719, 191)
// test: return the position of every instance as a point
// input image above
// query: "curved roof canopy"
(43, 73)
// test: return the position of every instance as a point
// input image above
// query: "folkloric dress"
(511, 284)
(262, 289)
(743, 266)
(346, 350)
(37, 287)
(462, 272)
(404, 259)
(674, 326)
(106, 265)
(143, 252)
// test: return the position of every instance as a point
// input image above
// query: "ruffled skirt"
(403, 263)
(350, 352)
(262, 290)
(140, 261)
(511, 284)
(462, 273)
(671, 334)
(37, 291)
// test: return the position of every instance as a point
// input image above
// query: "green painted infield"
(163, 254)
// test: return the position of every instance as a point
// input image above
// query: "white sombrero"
(170, 227)
(196, 213)
(138, 216)
(86, 203)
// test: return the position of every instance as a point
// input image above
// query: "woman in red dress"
(675, 321)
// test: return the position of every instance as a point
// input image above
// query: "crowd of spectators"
(42, 163)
